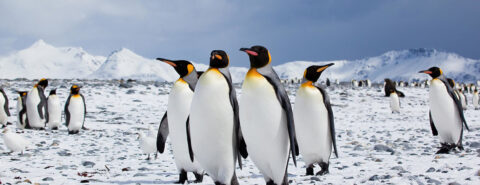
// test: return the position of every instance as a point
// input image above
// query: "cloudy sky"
(311, 30)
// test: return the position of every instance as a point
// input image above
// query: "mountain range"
(42, 60)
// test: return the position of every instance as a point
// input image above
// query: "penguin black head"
(451, 82)
(43, 83)
(434, 72)
(53, 91)
(219, 59)
(182, 67)
(312, 73)
(22, 93)
(259, 56)
(75, 89)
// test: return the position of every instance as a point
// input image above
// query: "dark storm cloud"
(292, 30)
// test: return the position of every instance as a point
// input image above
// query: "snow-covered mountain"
(397, 65)
(124, 63)
(43, 60)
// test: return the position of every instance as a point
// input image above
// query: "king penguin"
(75, 110)
(446, 113)
(314, 121)
(175, 118)
(213, 129)
(22, 110)
(54, 110)
(266, 118)
(394, 101)
(37, 105)
(4, 110)
(475, 99)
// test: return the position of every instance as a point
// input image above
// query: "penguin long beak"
(425, 71)
(324, 67)
(168, 62)
(248, 51)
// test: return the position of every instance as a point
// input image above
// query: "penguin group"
(212, 132)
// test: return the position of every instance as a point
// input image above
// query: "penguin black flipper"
(189, 140)
(284, 100)
(400, 94)
(326, 101)
(67, 113)
(5, 106)
(240, 142)
(162, 133)
(84, 111)
(456, 100)
(434, 130)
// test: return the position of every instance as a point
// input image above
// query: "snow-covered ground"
(108, 153)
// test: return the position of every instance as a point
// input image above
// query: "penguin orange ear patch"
(190, 68)
(218, 57)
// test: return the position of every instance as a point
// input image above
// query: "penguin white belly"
(77, 113)
(54, 111)
(463, 101)
(312, 126)
(179, 102)
(22, 118)
(394, 102)
(475, 100)
(264, 127)
(211, 126)
(445, 114)
(3, 113)
(33, 99)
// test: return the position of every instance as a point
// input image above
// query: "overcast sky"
(310, 30)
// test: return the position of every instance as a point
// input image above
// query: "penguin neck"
(191, 79)
(307, 83)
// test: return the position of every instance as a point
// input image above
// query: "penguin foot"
(445, 148)
(324, 170)
(198, 177)
(54, 128)
(148, 158)
(85, 128)
(3, 126)
(9, 123)
(182, 177)
(309, 170)
(270, 182)
(73, 132)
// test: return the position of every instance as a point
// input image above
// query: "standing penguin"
(37, 105)
(75, 110)
(463, 99)
(4, 109)
(475, 99)
(22, 110)
(266, 117)
(54, 110)
(314, 121)
(394, 102)
(175, 118)
(213, 132)
(446, 113)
